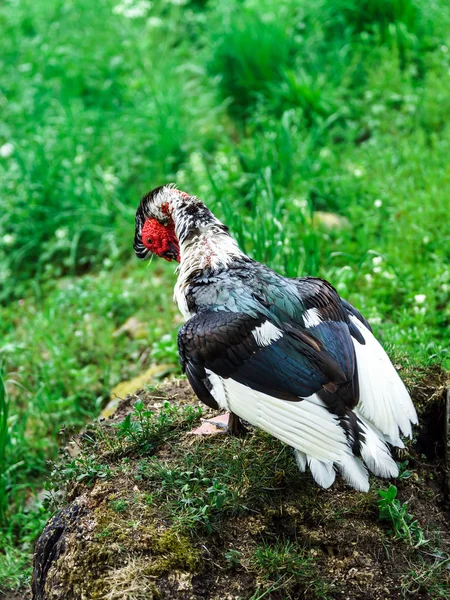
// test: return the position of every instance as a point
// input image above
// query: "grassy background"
(274, 113)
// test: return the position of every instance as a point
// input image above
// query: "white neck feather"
(210, 249)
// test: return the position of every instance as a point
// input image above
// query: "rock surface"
(150, 512)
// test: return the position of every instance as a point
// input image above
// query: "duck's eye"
(149, 241)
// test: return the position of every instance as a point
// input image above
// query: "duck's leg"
(222, 424)
(235, 425)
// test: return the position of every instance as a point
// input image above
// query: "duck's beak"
(172, 253)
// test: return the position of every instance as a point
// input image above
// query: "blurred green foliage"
(319, 132)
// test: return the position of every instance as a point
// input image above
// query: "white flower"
(6, 150)
(5, 274)
(154, 22)
(132, 10)
(110, 181)
(377, 109)
(426, 239)
(301, 203)
(9, 239)
(135, 11)
(116, 61)
(378, 203)
(377, 269)
(358, 172)
(377, 260)
(444, 48)
(420, 298)
(109, 178)
(368, 277)
(61, 233)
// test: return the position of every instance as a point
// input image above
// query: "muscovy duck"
(286, 355)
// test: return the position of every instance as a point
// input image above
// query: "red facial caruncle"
(161, 239)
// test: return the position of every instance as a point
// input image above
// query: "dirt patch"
(152, 512)
(21, 595)
(175, 391)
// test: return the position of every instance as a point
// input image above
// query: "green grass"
(271, 112)
(4, 444)
(287, 564)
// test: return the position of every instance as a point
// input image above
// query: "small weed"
(119, 506)
(288, 565)
(143, 429)
(283, 557)
(233, 558)
(83, 469)
(403, 471)
(165, 349)
(433, 580)
(214, 481)
(104, 534)
(193, 499)
(405, 527)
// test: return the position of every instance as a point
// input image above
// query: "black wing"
(319, 294)
(293, 366)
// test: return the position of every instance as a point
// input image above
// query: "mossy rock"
(152, 512)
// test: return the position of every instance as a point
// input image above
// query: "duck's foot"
(220, 425)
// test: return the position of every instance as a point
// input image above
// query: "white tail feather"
(354, 472)
(300, 459)
(384, 399)
(374, 451)
(323, 472)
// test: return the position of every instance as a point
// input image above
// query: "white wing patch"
(266, 333)
(312, 318)
(217, 389)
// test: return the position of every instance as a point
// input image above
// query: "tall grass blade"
(4, 438)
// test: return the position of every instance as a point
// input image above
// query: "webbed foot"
(220, 425)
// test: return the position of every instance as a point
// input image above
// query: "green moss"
(116, 550)
(175, 551)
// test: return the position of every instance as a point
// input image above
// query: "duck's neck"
(205, 244)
